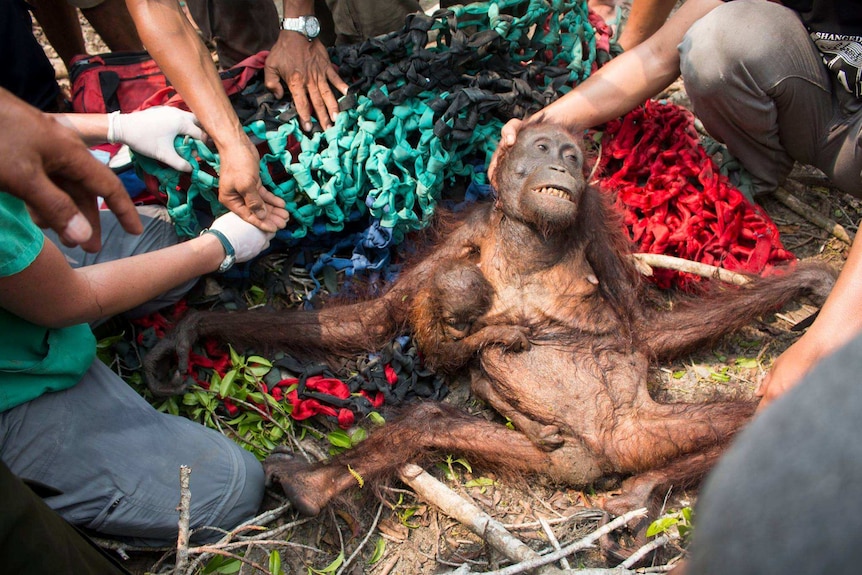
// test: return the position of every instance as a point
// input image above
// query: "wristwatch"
(308, 26)
(229, 253)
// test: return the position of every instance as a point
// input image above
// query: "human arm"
(644, 19)
(52, 171)
(623, 83)
(306, 69)
(839, 320)
(150, 132)
(182, 56)
(51, 293)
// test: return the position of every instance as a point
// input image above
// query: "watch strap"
(230, 254)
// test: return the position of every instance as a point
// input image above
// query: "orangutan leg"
(428, 427)
(654, 434)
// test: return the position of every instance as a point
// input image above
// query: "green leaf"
(379, 549)
(358, 436)
(226, 381)
(275, 563)
(679, 374)
(480, 482)
(258, 360)
(235, 358)
(376, 418)
(661, 525)
(340, 439)
(331, 568)
(746, 362)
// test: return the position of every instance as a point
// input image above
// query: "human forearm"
(175, 46)
(295, 8)
(630, 78)
(644, 19)
(92, 128)
(840, 318)
(52, 294)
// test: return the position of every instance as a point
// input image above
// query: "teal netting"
(426, 107)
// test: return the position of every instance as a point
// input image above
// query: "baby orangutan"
(536, 295)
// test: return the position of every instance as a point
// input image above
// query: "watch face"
(312, 27)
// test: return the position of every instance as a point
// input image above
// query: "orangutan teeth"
(556, 192)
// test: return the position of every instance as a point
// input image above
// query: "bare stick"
(584, 543)
(185, 513)
(649, 547)
(564, 563)
(362, 544)
(798, 206)
(476, 520)
(688, 266)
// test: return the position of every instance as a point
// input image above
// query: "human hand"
(242, 192)
(247, 240)
(788, 370)
(49, 167)
(151, 132)
(508, 136)
(308, 73)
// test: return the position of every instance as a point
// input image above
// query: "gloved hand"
(246, 239)
(151, 132)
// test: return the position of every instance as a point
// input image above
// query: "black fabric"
(26, 71)
(35, 540)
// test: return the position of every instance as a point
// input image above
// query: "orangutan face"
(540, 180)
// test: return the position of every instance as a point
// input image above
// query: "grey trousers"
(158, 233)
(115, 462)
(112, 457)
(759, 85)
(786, 497)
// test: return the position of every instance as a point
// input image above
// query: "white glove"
(246, 239)
(151, 132)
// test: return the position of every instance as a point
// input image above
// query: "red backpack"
(114, 81)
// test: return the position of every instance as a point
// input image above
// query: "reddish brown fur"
(547, 263)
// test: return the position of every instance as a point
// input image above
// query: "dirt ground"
(411, 537)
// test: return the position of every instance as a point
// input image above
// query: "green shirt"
(33, 359)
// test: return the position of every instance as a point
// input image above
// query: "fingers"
(170, 157)
(298, 92)
(272, 81)
(191, 127)
(509, 132)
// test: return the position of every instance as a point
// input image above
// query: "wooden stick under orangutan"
(536, 295)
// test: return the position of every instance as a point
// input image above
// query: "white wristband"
(112, 117)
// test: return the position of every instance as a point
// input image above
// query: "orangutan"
(537, 296)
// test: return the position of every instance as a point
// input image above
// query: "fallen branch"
(679, 264)
(564, 563)
(579, 545)
(185, 514)
(476, 520)
(798, 206)
(649, 547)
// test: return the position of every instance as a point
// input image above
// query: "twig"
(798, 206)
(585, 514)
(476, 520)
(356, 551)
(564, 563)
(649, 547)
(688, 266)
(185, 513)
(573, 548)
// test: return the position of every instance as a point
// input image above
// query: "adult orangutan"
(536, 295)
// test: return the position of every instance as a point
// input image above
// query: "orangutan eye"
(542, 147)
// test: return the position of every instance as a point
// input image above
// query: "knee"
(735, 38)
(242, 502)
